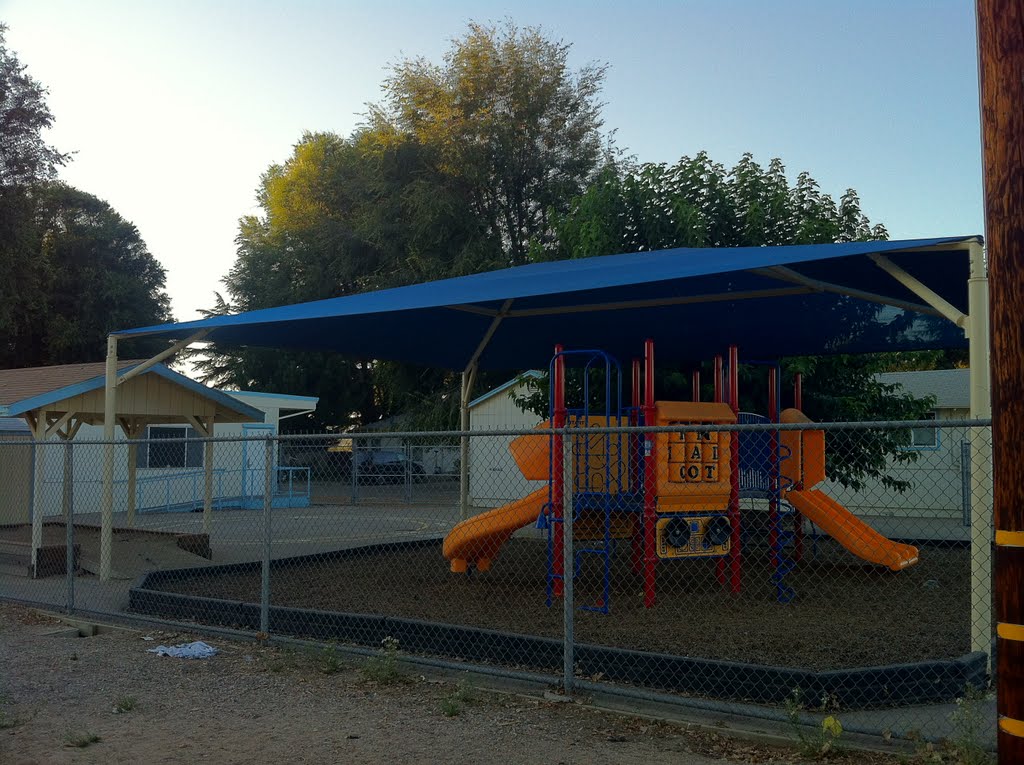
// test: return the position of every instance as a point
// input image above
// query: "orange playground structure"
(673, 495)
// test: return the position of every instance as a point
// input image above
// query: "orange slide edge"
(851, 532)
(478, 540)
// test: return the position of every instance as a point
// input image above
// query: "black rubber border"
(925, 682)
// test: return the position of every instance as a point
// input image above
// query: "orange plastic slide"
(851, 532)
(477, 540)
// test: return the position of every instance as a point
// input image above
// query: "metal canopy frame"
(791, 282)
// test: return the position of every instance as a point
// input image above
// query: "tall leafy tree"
(25, 157)
(73, 268)
(456, 171)
(701, 203)
(507, 120)
(83, 271)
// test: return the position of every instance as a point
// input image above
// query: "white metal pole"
(109, 420)
(133, 461)
(464, 444)
(39, 477)
(208, 478)
(981, 455)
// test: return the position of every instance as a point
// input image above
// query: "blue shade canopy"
(770, 301)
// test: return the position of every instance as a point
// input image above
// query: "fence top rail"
(286, 438)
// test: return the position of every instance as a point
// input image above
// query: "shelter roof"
(53, 387)
(771, 301)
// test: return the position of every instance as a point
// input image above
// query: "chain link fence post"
(568, 570)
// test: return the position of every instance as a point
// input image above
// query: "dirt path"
(265, 704)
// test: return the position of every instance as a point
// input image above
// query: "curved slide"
(851, 532)
(477, 540)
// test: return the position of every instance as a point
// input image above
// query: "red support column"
(798, 520)
(696, 386)
(650, 479)
(557, 477)
(734, 474)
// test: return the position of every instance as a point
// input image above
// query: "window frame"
(193, 450)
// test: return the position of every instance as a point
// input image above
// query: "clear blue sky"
(176, 108)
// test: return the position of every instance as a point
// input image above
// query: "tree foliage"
(24, 156)
(506, 120)
(73, 269)
(456, 170)
(79, 271)
(700, 203)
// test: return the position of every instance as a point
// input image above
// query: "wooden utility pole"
(1001, 68)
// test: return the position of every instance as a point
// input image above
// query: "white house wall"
(494, 478)
(932, 507)
(156, 487)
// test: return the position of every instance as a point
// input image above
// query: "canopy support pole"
(468, 378)
(978, 332)
(164, 354)
(38, 487)
(926, 293)
(109, 421)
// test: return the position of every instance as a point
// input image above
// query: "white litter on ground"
(196, 650)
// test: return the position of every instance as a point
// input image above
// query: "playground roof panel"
(771, 301)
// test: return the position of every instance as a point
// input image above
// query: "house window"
(176, 453)
(925, 438)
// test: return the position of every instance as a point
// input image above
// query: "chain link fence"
(783, 572)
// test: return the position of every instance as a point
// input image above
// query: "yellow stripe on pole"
(1011, 726)
(1010, 631)
(1010, 538)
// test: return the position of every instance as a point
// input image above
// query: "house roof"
(32, 388)
(28, 383)
(771, 301)
(951, 387)
(532, 373)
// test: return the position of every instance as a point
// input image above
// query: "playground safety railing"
(781, 572)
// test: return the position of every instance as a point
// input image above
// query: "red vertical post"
(557, 475)
(773, 461)
(696, 386)
(636, 466)
(650, 453)
(798, 520)
(734, 473)
(719, 398)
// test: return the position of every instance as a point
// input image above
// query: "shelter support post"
(67, 482)
(38, 481)
(133, 474)
(109, 421)
(981, 455)
(468, 378)
(208, 476)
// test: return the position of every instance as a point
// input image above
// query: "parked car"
(386, 466)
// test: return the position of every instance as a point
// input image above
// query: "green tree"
(24, 156)
(82, 271)
(506, 120)
(700, 203)
(455, 172)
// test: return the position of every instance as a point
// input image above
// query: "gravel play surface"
(846, 613)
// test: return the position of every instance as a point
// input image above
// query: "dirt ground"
(846, 613)
(59, 697)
